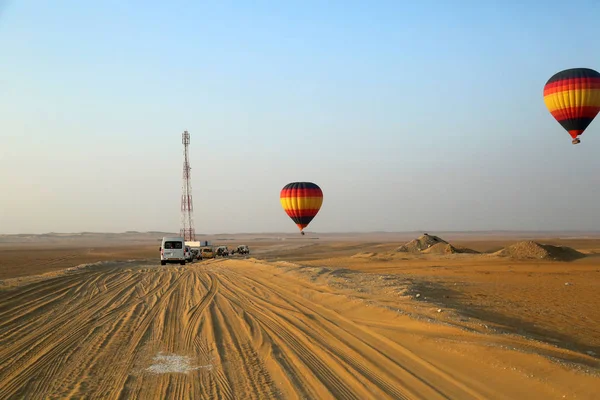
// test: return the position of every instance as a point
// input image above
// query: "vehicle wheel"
(163, 262)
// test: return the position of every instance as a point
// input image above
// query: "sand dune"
(250, 329)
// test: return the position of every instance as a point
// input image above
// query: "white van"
(172, 250)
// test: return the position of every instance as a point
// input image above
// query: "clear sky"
(410, 115)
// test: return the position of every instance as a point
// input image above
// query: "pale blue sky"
(424, 116)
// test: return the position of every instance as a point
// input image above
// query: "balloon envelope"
(301, 201)
(573, 98)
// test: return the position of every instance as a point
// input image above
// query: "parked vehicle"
(242, 249)
(172, 250)
(222, 251)
(188, 254)
(196, 254)
(207, 252)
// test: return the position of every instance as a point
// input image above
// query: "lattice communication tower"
(187, 230)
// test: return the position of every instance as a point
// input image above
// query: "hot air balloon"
(301, 201)
(573, 98)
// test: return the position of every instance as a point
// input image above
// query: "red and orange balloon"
(301, 201)
(573, 98)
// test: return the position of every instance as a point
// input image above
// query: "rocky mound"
(430, 244)
(528, 250)
(440, 248)
(421, 243)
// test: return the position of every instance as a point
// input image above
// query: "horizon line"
(310, 232)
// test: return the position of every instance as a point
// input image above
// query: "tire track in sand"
(368, 354)
(32, 355)
(236, 329)
(195, 312)
(323, 365)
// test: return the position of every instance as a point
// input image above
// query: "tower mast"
(187, 207)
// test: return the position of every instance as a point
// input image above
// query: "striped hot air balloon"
(301, 201)
(573, 98)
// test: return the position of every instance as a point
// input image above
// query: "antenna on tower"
(187, 207)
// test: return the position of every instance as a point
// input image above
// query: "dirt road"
(235, 329)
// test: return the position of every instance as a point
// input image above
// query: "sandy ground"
(553, 301)
(300, 319)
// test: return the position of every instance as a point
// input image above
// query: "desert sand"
(320, 317)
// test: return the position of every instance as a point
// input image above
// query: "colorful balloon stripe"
(573, 98)
(301, 201)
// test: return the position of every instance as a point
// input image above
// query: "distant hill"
(84, 238)
(431, 244)
(529, 249)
